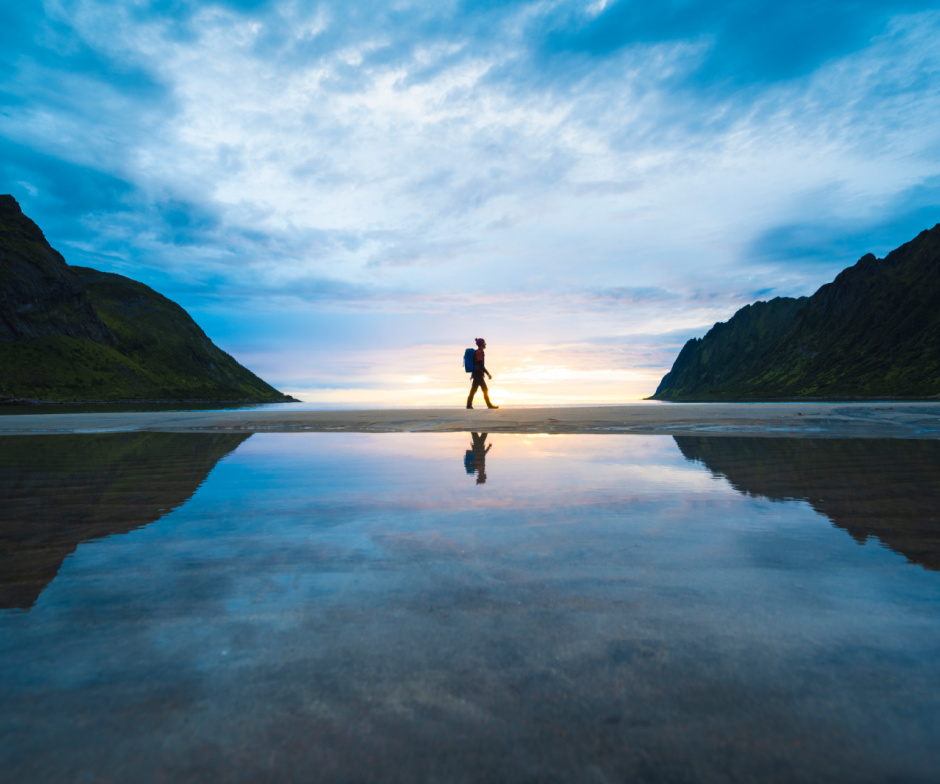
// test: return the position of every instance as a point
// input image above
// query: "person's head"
(481, 343)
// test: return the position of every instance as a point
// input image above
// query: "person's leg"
(486, 394)
(473, 391)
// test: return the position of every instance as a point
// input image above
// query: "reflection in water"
(887, 488)
(350, 608)
(59, 491)
(475, 459)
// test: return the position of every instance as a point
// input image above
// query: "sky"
(345, 194)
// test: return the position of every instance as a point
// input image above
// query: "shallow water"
(448, 607)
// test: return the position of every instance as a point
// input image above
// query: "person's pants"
(479, 383)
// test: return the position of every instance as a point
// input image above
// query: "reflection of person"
(479, 370)
(475, 459)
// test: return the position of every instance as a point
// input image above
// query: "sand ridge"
(803, 419)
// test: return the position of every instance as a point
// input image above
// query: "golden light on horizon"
(522, 376)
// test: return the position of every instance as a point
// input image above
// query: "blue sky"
(345, 194)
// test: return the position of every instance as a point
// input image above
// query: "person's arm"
(479, 364)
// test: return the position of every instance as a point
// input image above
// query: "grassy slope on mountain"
(161, 354)
(62, 368)
(71, 333)
(706, 366)
(175, 357)
(873, 332)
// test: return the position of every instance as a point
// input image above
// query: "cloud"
(835, 240)
(543, 168)
(626, 295)
(743, 42)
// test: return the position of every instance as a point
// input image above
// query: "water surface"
(457, 607)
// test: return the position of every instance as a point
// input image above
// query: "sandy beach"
(832, 420)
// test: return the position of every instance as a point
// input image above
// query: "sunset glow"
(344, 195)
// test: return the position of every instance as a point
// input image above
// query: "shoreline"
(887, 419)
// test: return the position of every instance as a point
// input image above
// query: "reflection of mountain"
(888, 488)
(59, 491)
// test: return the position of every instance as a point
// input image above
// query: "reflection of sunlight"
(611, 461)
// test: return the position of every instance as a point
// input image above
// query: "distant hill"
(873, 332)
(75, 334)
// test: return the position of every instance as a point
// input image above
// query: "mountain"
(72, 333)
(59, 491)
(40, 295)
(883, 488)
(873, 332)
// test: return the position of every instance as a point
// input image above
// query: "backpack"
(468, 359)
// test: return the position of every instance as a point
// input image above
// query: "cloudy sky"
(345, 194)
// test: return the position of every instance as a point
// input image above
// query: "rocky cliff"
(39, 294)
(873, 332)
(72, 333)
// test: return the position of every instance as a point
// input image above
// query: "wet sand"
(834, 420)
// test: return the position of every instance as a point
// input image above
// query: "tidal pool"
(468, 607)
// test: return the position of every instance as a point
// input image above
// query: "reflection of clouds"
(334, 580)
(435, 451)
(421, 477)
(438, 543)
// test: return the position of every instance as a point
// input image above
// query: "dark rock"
(873, 332)
(76, 334)
(40, 294)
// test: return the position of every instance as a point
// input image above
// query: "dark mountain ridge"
(76, 334)
(874, 331)
(40, 295)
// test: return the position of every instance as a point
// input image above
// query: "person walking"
(479, 370)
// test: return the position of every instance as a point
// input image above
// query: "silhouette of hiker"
(475, 459)
(479, 369)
